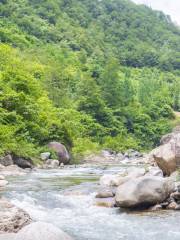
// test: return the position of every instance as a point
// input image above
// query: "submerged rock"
(105, 193)
(143, 192)
(41, 231)
(12, 218)
(105, 202)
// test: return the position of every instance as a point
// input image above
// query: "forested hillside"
(90, 74)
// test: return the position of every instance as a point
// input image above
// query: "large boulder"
(105, 202)
(61, 151)
(22, 163)
(12, 218)
(143, 192)
(41, 231)
(167, 156)
(116, 180)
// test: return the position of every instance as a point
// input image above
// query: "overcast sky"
(170, 7)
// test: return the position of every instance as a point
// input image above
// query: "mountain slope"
(108, 74)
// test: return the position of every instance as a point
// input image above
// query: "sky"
(169, 7)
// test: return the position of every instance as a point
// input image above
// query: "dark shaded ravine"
(66, 199)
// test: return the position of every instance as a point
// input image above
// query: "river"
(65, 198)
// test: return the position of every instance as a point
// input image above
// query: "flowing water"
(66, 199)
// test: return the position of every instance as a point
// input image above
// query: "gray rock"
(108, 180)
(105, 202)
(41, 231)
(135, 172)
(52, 163)
(106, 153)
(45, 156)
(105, 193)
(155, 171)
(143, 192)
(175, 195)
(116, 180)
(131, 153)
(167, 156)
(120, 157)
(7, 160)
(166, 138)
(22, 163)
(172, 206)
(61, 151)
(12, 218)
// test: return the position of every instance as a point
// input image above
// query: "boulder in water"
(117, 180)
(12, 218)
(105, 193)
(105, 202)
(143, 192)
(109, 180)
(41, 231)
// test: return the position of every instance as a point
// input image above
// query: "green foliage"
(84, 146)
(89, 74)
(121, 143)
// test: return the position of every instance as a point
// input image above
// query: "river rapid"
(65, 198)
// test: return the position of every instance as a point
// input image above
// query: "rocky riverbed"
(66, 198)
(125, 196)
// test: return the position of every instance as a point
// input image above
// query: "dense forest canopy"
(91, 74)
